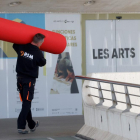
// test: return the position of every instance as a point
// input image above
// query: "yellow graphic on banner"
(6, 49)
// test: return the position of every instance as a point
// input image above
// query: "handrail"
(112, 83)
(113, 100)
(107, 81)
(110, 90)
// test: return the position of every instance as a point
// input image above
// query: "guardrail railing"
(113, 92)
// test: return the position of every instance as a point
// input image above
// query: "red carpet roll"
(20, 33)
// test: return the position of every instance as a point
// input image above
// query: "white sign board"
(100, 41)
(112, 46)
(128, 45)
(64, 97)
(3, 88)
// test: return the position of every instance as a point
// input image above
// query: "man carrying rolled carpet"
(29, 59)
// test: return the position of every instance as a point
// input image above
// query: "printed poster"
(64, 91)
(8, 57)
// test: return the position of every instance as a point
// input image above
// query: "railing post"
(100, 94)
(128, 102)
(114, 100)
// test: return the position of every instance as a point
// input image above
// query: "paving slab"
(56, 138)
(50, 127)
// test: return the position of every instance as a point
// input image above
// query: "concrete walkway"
(50, 128)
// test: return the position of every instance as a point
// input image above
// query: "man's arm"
(16, 47)
(41, 60)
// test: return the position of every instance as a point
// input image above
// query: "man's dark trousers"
(26, 92)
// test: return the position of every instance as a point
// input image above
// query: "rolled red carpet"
(20, 33)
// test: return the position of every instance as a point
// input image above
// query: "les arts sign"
(116, 53)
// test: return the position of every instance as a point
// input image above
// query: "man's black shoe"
(23, 131)
(36, 125)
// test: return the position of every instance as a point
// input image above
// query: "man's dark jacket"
(28, 61)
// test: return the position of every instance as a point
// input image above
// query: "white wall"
(108, 123)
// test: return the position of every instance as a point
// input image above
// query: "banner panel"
(128, 45)
(100, 44)
(3, 86)
(64, 91)
(8, 84)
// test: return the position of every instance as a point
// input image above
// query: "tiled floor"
(51, 128)
(56, 138)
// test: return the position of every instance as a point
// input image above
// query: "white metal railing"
(113, 92)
